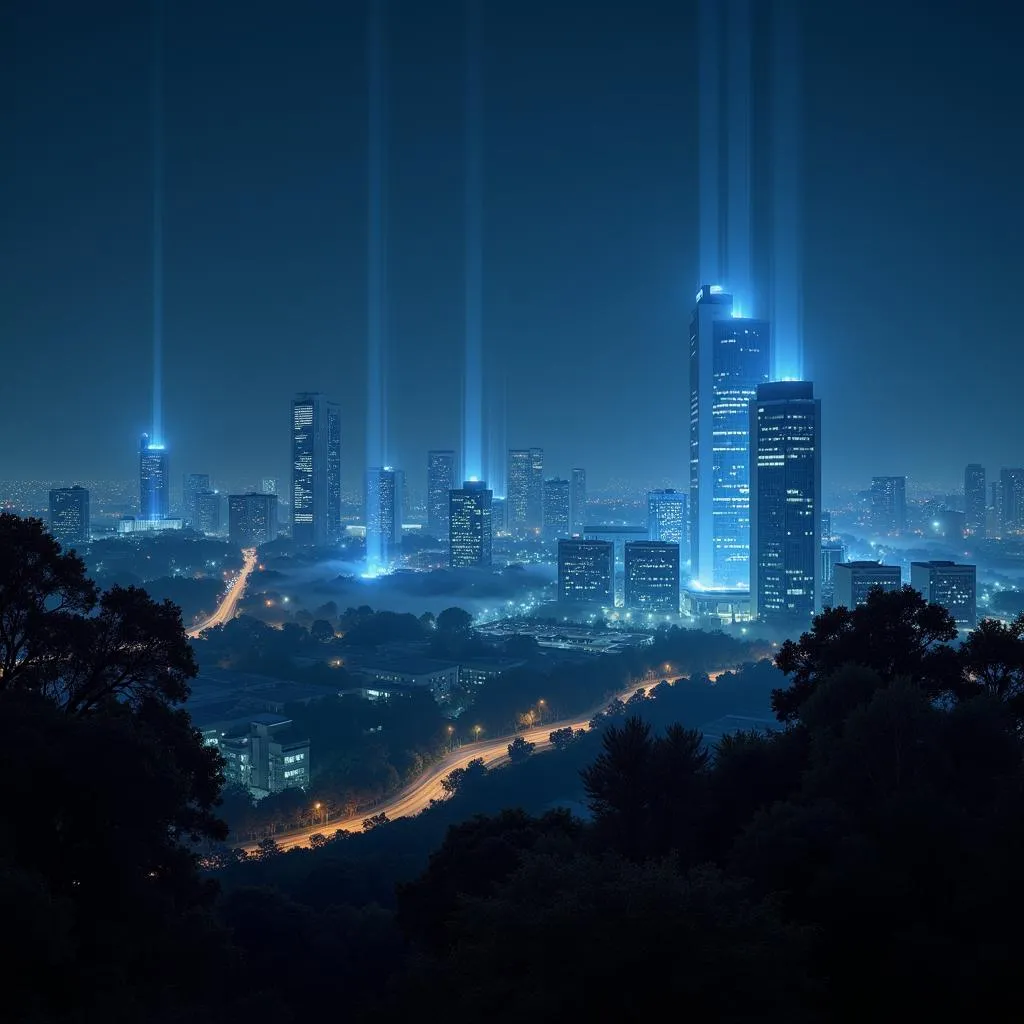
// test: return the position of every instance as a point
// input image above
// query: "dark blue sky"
(913, 223)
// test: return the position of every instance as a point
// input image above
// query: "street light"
(476, 729)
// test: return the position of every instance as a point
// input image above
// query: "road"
(419, 793)
(229, 603)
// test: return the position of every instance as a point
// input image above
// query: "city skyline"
(211, 259)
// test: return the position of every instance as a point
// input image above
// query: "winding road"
(417, 796)
(228, 606)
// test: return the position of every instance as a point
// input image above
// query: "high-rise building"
(385, 490)
(268, 485)
(1011, 498)
(578, 501)
(316, 469)
(730, 355)
(469, 525)
(525, 490)
(855, 580)
(666, 517)
(252, 519)
(785, 502)
(208, 512)
(498, 511)
(832, 553)
(440, 482)
(69, 516)
(889, 504)
(652, 576)
(557, 504)
(586, 572)
(154, 481)
(975, 503)
(191, 486)
(826, 526)
(951, 585)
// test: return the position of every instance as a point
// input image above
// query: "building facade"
(208, 512)
(578, 501)
(69, 517)
(730, 355)
(889, 504)
(832, 553)
(316, 470)
(785, 502)
(1011, 502)
(975, 500)
(525, 507)
(470, 530)
(953, 586)
(586, 572)
(252, 519)
(385, 491)
(557, 509)
(191, 485)
(154, 480)
(261, 754)
(652, 576)
(667, 517)
(853, 581)
(440, 482)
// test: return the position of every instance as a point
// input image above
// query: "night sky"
(913, 214)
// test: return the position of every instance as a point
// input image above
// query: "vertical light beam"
(709, 45)
(376, 260)
(472, 400)
(787, 219)
(738, 219)
(157, 119)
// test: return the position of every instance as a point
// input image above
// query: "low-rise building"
(479, 671)
(439, 677)
(951, 585)
(262, 753)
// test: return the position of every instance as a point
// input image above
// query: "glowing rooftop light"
(716, 289)
(474, 479)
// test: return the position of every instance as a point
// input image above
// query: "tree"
(455, 623)
(267, 848)
(321, 631)
(318, 840)
(561, 738)
(896, 634)
(374, 821)
(520, 749)
(459, 779)
(992, 657)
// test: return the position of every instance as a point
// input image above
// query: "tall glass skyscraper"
(252, 519)
(556, 508)
(154, 481)
(525, 508)
(385, 493)
(579, 500)
(652, 576)
(193, 484)
(586, 572)
(730, 356)
(469, 525)
(889, 504)
(316, 469)
(666, 516)
(440, 482)
(975, 500)
(69, 516)
(785, 502)
(1011, 502)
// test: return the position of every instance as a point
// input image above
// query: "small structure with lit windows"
(261, 754)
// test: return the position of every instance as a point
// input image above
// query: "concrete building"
(586, 572)
(192, 485)
(951, 585)
(557, 506)
(889, 505)
(261, 754)
(652, 576)
(855, 580)
(208, 512)
(439, 677)
(252, 519)
(832, 553)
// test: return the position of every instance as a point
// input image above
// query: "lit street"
(228, 606)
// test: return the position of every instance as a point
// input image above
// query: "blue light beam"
(157, 119)
(709, 140)
(738, 215)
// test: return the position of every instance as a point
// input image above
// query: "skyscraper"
(191, 486)
(730, 355)
(469, 525)
(578, 501)
(252, 519)
(785, 502)
(316, 469)
(208, 505)
(975, 503)
(385, 489)
(154, 482)
(832, 553)
(440, 482)
(652, 576)
(950, 585)
(556, 509)
(586, 572)
(268, 485)
(855, 580)
(666, 516)
(69, 516)
(1011, 497)
(525, 490)
(889, 504)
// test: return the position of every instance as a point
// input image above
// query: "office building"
(191, 485)
(557, 508)
(69, 516)
(889, 504)
(525, 508)
(134, 525)
(975, 500)
(652, 576)
(832, 553)
(578, 501)
(154, 481)
(440, 482)
(262, 754)
(268, 485)
(666, 517)
(252, 519)
(951, 585)
(385, 490)
(730, 355)
(826, 526)
(1011, 498)
(853, 581)
(469, 525)
(499, 508)
(208, 512)
(586, 572)
(316, 470)
(785, 502)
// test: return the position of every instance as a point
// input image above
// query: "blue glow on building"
(154, 480)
